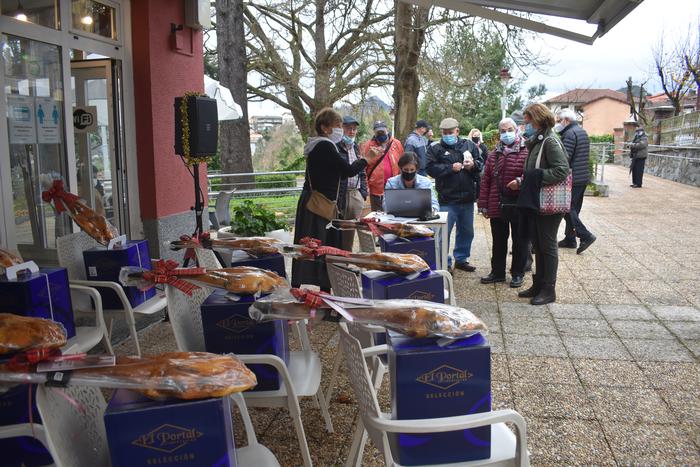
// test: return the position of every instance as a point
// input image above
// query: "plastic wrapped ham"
(88, 220)
(240, 280)
(403, 230)
(22, 333)
(7, 259)
(253, 246)
(413, 318)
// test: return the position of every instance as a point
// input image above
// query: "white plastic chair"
(506, 448)
(87, 337)
(366, 241)
(70, 256)
(222, 207)
(300, 378)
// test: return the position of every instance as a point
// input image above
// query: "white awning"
(603, 13)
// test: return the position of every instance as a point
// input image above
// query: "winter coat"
(416, 143)
(362, 176)
(578, 148)
(500, 170)
(454, 187)
(325, 167)
(377, 181)
(554, 162)
(638, 148)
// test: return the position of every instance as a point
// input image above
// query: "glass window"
(36, 129)
(41, 12)
(94, 17)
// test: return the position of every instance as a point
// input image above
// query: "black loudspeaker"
(203, 121)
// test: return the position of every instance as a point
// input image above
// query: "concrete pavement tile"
(496, 341)
(528, 326)
(536, 346)
(621, 312)
(628, 405)
(552, 401)
(578, 442)
(675, 375)
(522, 309)
(605, 348)
(693, 345)
(676, 313)
(583, 327)
(658, 350)
(683, 404)
(478, 307)
(615, 298)
(499, 368)
(492, 321)
(641, 330)
(572, 295)
(640, 444)
(542, 370)
(501, 396)
(578, 311)
(610, 373)
(666, 296)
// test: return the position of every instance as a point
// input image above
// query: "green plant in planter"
(252, 220)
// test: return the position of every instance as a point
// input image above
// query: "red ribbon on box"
(59, 196)
(313, 247)
(371, 223)
(167, 272)
(309, 297)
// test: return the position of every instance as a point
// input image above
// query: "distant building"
(265, 122)
(659, 106)
(600, 111)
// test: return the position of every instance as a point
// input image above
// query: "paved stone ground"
(610, 374)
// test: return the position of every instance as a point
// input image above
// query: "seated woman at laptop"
(410, 178)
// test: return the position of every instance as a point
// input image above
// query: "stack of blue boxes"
(423, 247)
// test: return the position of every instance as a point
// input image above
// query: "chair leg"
(323, 405)
(334, 373)
(295, 412)
(132, 329)
(107, 342)
(358, 445)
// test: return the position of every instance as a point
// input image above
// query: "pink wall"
(160, 74)
(602, 116)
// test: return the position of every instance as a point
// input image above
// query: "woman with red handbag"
(547, 161)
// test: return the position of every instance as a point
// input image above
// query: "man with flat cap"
(455, 164)
(352, 192)
(418, 143)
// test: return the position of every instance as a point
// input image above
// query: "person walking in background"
(384, 150)
(638, 153)
(418, 143)
(497, 201)
(410, 178)
(578, 148)
(553, 168)
(455, 164)
(324, 169)
(353, 190)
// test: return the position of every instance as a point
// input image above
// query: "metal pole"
(602, 167)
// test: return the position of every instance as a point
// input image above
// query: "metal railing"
(601, 153)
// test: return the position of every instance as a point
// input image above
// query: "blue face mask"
(381, 138)
(449, 140)
(529, 130)
(508, 138)
(348, 140)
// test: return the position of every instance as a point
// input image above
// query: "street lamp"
(505, 76)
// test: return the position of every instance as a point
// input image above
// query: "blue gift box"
(423, 247)
(274, 263)
(142, 432)
(427, 286)
(229, 329)
(431, 381)
(45, 294)
(102, 264)
(24, 450)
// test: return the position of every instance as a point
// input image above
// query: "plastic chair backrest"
(186, 318)
(70, 253)
(361, 383)
(366, 241)
(74, 425)
(223, 211)
(207, 259)
(344, 282)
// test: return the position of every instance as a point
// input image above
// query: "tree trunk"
(234, 135)
(410, 24)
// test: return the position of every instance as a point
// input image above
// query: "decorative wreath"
(185, 121)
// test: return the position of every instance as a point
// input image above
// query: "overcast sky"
(624, 51)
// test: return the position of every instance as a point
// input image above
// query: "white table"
(439, 226)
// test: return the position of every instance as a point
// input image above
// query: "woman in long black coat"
(324, 169)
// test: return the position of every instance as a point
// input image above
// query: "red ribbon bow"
(25, 360)
(167, 272)
(309, 298)
(313, 247)
(59, 196)
(372, 224)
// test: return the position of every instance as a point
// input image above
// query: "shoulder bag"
(388, 148)
(555, 198)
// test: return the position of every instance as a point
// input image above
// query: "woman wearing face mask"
(553, 168)
(384, 150)
(324, 169)
(497, 202)
(410, 178)
(477, 138)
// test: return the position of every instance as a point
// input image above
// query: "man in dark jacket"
(352, 192)
(578, 148)
(638, 153)
(455, 164)
(418, 143)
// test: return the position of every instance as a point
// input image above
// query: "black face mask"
(408, 176)
(475, 139)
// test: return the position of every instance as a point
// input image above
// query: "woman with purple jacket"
(498, 203)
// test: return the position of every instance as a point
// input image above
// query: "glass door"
(97, 126)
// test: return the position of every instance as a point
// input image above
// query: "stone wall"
(679, 165)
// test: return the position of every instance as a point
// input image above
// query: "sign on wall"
(85, 119)
(48, 120)
(20, 112)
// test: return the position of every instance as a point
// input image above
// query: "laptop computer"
(410, 202)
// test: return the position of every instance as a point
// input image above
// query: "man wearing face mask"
(353, 190)
(638, 153)
(410, 178)
(384, 150)
(417, 143)
(455, 164)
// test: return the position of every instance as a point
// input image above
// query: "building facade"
(600, 111)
